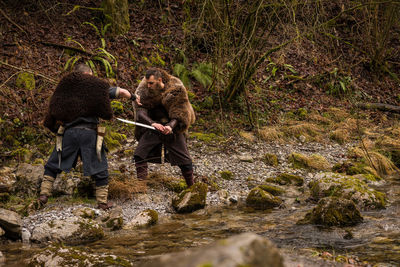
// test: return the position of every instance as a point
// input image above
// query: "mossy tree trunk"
(117, 13)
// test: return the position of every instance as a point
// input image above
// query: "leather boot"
(46, 189)
(101, 197)
(141, 170)
(188, 175)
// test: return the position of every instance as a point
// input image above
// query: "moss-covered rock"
(145, 218)
(286, 179)
(176, 185)
(191, 199)
(274, 190)
(60, 255)
(348, 187)
(25, 80)
(72, 230)
(270, 159)
(258, 198)
(86, 213)
(226, 175)
(333, 211)
(354, 168)
(315, 162)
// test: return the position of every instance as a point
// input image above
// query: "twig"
(68, 47)
(9, 78)
(28, 70)
(12, 22)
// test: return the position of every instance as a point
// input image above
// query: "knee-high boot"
(46, 188)
(188, 175)
(101, 197)
(141, 170)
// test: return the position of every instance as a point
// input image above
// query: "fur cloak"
(173, 98)
(78, 95)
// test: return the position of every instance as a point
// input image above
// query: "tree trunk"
(117, 13)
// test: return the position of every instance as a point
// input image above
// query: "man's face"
(153, 83)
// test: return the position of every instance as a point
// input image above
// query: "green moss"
(25, 80)
(347, 187)
(113, 139)
(332, 211)
(176, 185)
(226, 175)
(302, 113)
(153, 216)
(91, 231)
(117, 107)
(276, 191)
(115, 223)
(129, 152)
(197, 198)
(286, 178)
(270, 159)
(207, 138)
(354, 168)
(22, 154)
(261, 199)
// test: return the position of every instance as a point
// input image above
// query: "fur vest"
(78, 95)
(173, 98)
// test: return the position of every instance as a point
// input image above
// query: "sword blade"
(137, 123)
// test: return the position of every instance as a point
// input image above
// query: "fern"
(203, 73)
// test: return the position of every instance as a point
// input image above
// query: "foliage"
(100, 55)
(201, 72)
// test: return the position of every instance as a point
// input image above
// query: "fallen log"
(379, 106)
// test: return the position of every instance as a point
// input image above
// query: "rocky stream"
(232, 229)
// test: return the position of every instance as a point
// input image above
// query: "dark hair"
(153, 72)
(82, 67)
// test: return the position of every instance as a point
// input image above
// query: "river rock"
(246, 249)
(348, 187)
(333, 211)
(73, 230)
(58, 255)
(28, 179)
(145, 218)
(258, 198)
(2, 232)
(191, 199)
(11, 222)
(7, 179)
(113, 219)
(85, 212)
(286, 179)
(66, 183)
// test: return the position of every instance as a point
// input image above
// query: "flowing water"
(376, 240)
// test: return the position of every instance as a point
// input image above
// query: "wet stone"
(333, 211)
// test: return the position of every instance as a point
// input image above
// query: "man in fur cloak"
(166, 107)
(77, 103)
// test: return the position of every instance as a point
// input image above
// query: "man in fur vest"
(76, 105)
(166, 107)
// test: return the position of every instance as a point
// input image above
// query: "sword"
(137, 123)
